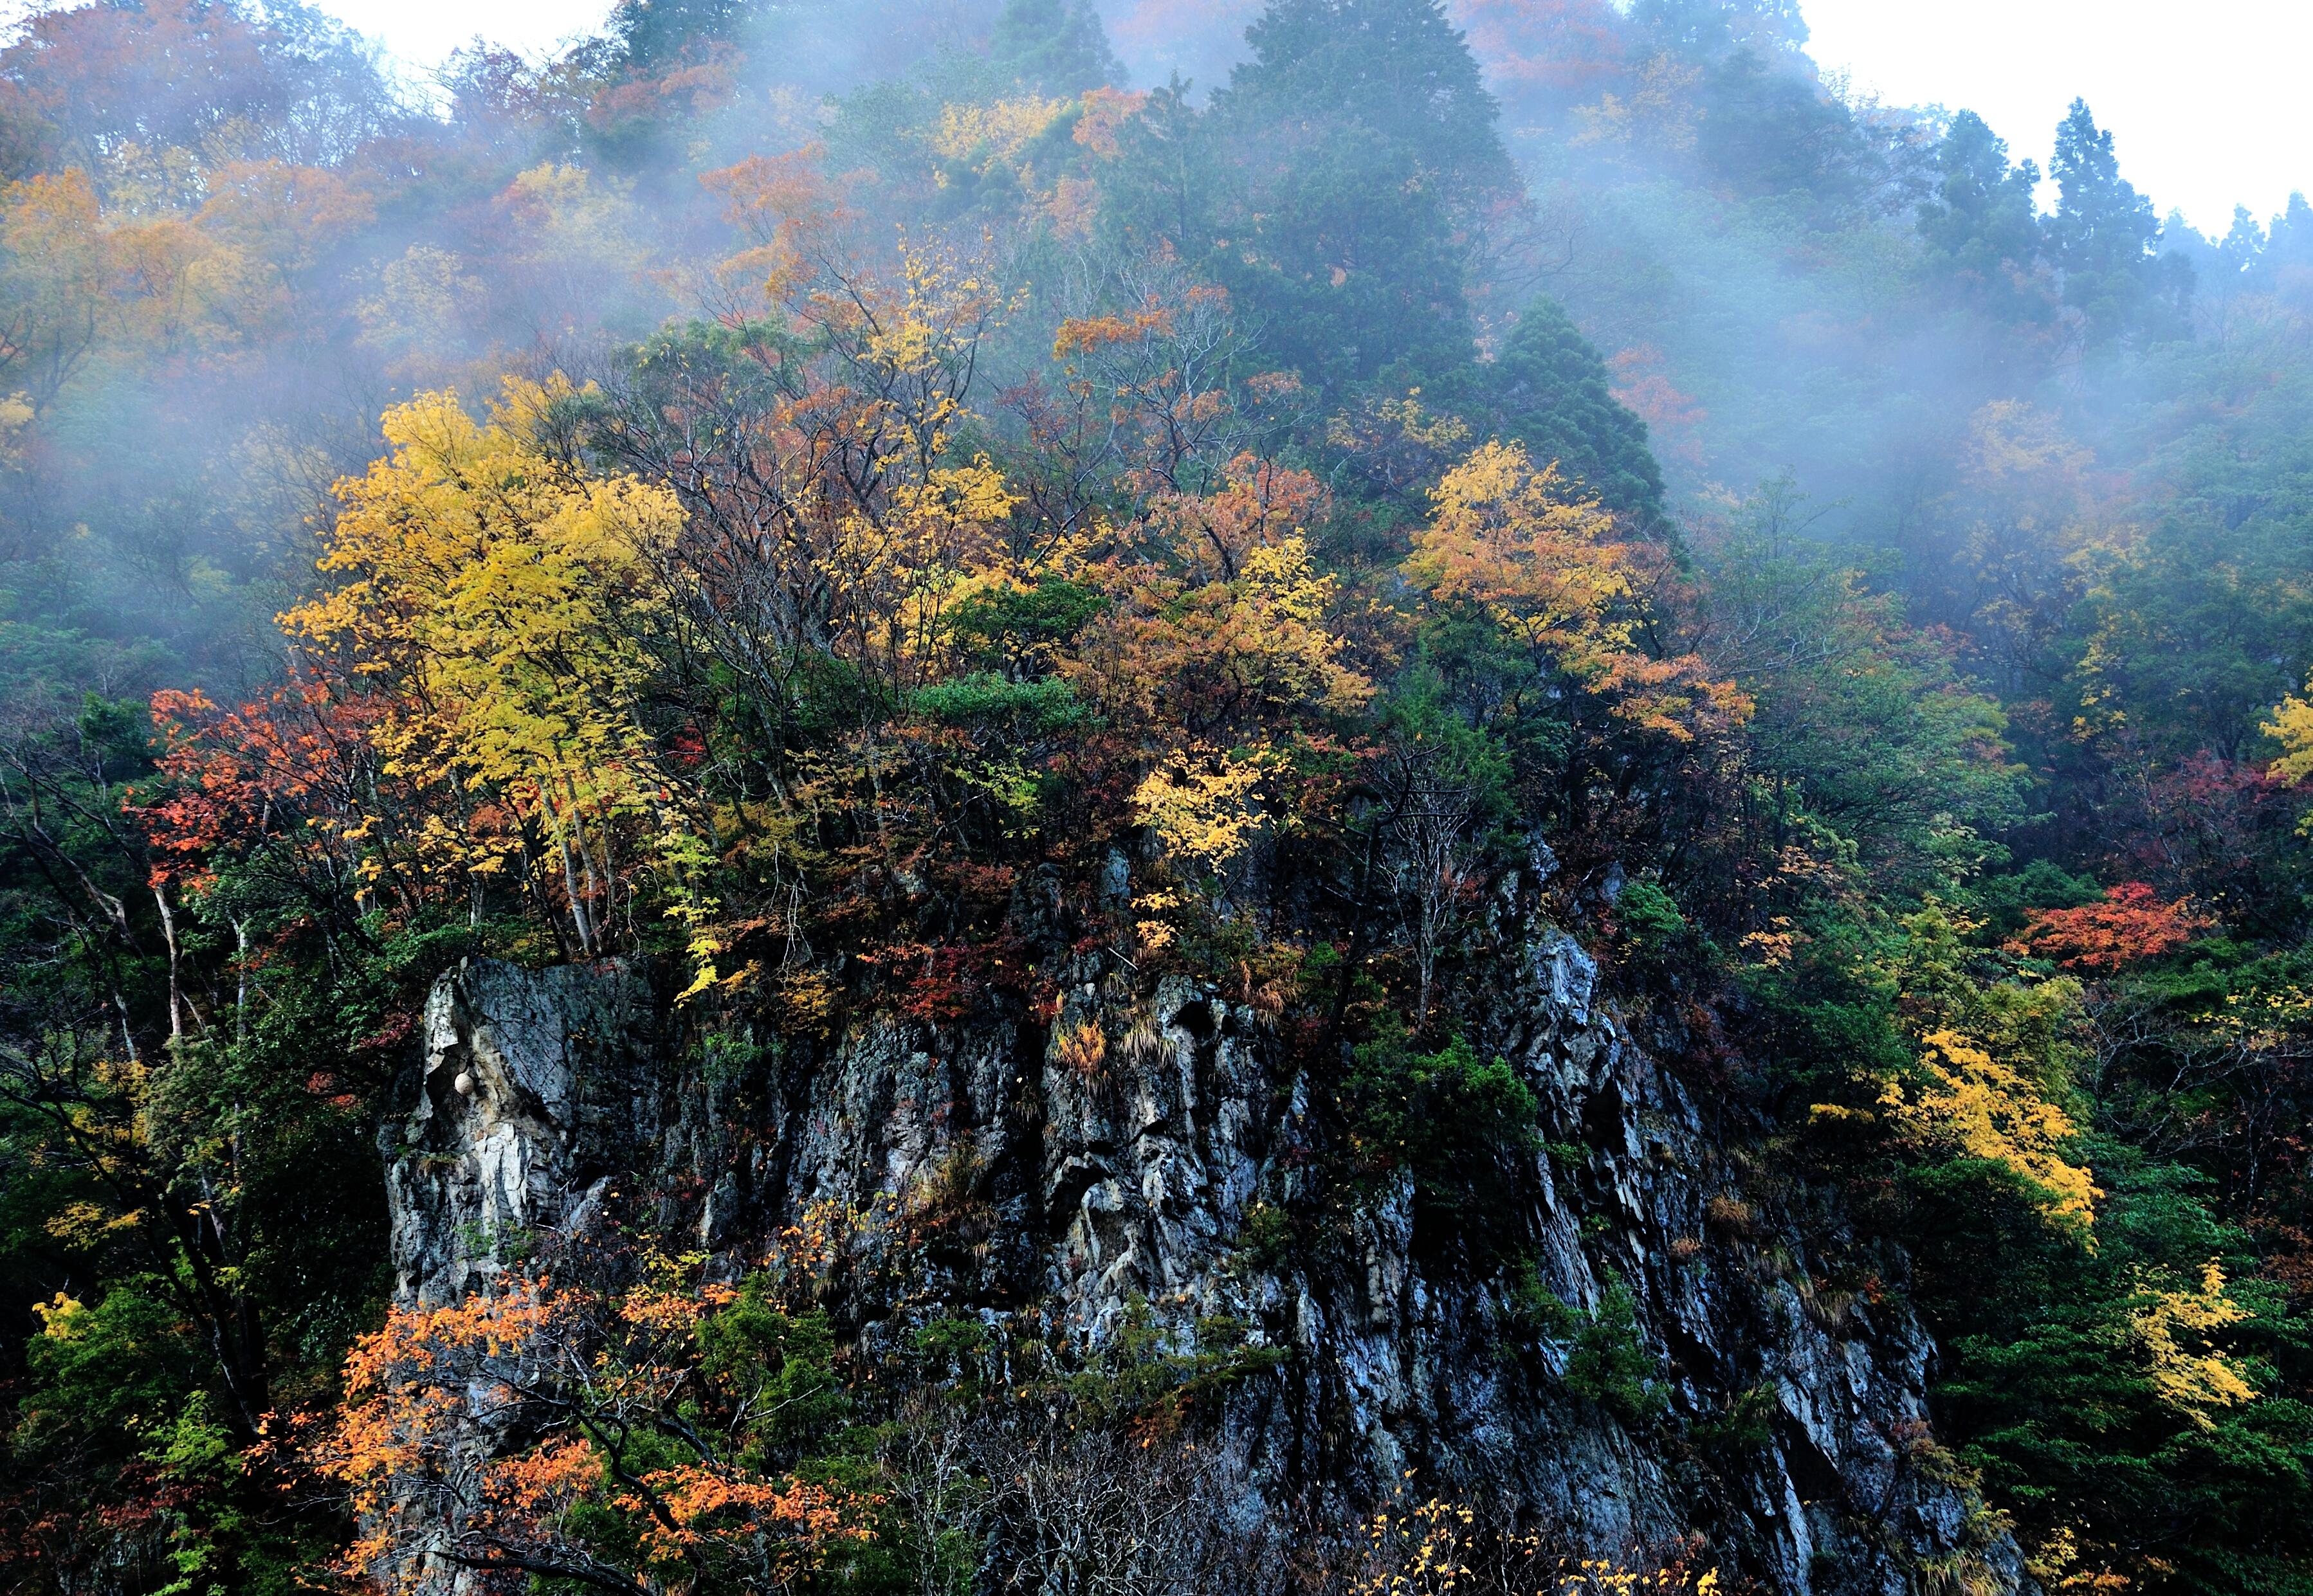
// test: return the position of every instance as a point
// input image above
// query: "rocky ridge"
(1119, 1161)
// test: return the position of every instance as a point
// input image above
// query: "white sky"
(2209, 101)
(424, 31)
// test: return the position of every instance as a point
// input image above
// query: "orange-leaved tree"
(1219, 622)
(1216, 651)
(2131, 925)
(623, 1438)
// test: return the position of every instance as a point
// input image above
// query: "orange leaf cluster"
(419, 1443)
(1081, 335)
(1219, 616)
(2131, 925)
(233, 779)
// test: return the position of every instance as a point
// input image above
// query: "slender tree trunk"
(176, 993)
(241, 981)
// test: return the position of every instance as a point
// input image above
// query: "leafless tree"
(1432, 862)
(1099, 1511)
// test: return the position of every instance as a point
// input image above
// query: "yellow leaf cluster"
(1419, 1552)
(86, 1224)
(1546, 567)
(994, 132)
(63, 1319)
(2170, 1325)
(898, 566)
(1661, 112)
(1598, 1576)
(15, 415)
(497, 601)
(58, 271)
(1545, 563)
(2063, 1565)
(1970, 1104)
(483, 580)
(1203, 809)
(1425, 1549)
(2291, 726)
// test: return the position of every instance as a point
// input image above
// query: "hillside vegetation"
(784, 492)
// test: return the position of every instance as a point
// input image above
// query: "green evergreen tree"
(1981, 222)
(1397, 68)
(1054, 47)
(1548, 389)
(2284, 266)
(655, 34)
(1705, 29)
(1769, 127)
(1369, 144)
(2104, 235)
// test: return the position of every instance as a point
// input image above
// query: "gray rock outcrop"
(1121, 1159)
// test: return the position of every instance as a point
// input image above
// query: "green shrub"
(1610, 1364)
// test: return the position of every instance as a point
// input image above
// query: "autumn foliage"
(1553, 570)
(614, 1437)
(2132, 924)
(907, 550)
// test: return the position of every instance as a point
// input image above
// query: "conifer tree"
(1396, 68)
(1372, 148)
(1054, 47)
(1552, 393)
(2104, 235)
(2285, 263)
(1981, 219)
(655, 34)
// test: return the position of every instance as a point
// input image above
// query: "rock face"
(537, 1089)
(1123, 1159)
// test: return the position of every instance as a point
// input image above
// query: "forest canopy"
(784, 492)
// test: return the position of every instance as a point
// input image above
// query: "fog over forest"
(1354, 795)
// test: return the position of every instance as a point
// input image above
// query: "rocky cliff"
(1126, 1159)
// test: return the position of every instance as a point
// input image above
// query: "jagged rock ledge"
(1114, 1157)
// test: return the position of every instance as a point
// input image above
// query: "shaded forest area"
(843, 465)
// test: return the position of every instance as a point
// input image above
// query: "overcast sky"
(426, 30)
(2209, 100)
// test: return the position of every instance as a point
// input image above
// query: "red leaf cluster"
(2131, 925)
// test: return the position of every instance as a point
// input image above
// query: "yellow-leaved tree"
(498, 603)
(1965, 1103)
(1547, 566)
(2291, 726)
(1993, 1075)
(1545, 563)
(2175, 1330)
(1203, 808)
(59, 269)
